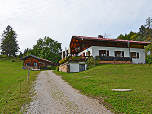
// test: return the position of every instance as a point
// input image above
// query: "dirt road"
(54, 96)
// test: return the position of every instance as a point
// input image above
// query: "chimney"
(100, 36)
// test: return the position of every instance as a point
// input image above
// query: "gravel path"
(54, 96)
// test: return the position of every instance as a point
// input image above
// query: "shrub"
(91, 62)
(42, 67)
(49, 67)
(13, 60)
(53, 67)
(149, 59)
(73, 58)
(64, 60)
(3, 56)
(57, 68)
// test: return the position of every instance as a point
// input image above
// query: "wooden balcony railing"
(111, 58)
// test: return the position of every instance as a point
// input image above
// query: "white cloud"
(60, 19)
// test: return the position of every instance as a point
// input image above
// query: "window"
(35, 64)
(81, 67)
(134, 54)
(88, 53)
(103, 52)
(119, 53)
(83, 54)
(27, 64)
(122, 53)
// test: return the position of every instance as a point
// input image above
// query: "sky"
(61, 19)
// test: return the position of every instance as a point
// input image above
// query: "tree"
(148, 23)
(20, 55)
(144, 33)
(142, 30)
(133, 37)
(47, 48)
(147, 34)
(121, 37)
(148, 57)
(9, 43)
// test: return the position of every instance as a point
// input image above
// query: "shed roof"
(35, 58)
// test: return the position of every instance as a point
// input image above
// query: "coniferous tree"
(148, 23)
(9, 43)
(144, 33)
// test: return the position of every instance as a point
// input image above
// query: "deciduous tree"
(47, 48)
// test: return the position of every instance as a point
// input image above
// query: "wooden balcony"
(114, 60)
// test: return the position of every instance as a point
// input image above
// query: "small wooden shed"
(35, 62)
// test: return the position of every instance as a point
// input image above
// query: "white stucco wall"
(94, 50)
(89, 49)
(141, 58)
(74, 67)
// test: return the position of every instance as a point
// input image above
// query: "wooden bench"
(35, 69)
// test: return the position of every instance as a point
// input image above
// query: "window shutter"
(137, 55)
(123, 53)
(115, 54)
(88, 53)
(131, 54)
(83, 54)
(107, 52)
(99, 52)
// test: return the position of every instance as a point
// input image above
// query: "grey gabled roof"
(34, 57)
(29, 56)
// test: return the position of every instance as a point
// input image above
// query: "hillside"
(14, 90)
(98, 82)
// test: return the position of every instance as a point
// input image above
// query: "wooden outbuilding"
(35, 62)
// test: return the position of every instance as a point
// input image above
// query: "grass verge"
(98, 82)
(14, 90)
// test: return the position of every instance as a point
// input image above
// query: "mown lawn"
(98, 82)
(14, 90)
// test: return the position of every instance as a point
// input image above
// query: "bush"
(64, 60)
(91, 62)
(49, 67)
(57, 68)
(42, 67)
(149, 59)
(53, 67)
(13, 60)
(3, 56)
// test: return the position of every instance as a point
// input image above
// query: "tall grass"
(98, 82)
(14, 90)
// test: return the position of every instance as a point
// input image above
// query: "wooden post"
(20, 85)
(28, 75)
(7, 96)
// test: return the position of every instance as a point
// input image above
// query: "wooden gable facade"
(35, 62)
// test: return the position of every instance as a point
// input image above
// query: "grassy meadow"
(14, 90)
(98, 82)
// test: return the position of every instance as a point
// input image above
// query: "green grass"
(13, 95)
(98, 82)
